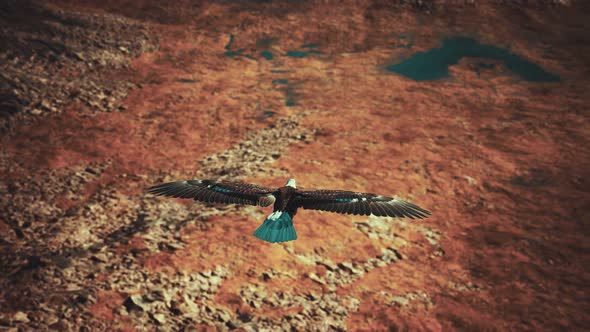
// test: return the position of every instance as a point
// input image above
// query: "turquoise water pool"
(434, 64)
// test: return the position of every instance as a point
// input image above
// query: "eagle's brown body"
(278, 227)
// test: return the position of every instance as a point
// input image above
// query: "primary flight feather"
(278, 226)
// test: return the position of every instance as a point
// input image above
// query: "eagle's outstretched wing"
(358, 203)
(216, 191)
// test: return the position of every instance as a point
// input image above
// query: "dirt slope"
(101, 101)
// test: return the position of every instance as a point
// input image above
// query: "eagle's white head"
(291, 183)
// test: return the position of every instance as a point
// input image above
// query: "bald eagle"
(278, 226)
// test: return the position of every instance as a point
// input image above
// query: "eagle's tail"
(278, 227)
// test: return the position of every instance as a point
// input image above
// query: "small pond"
(434, 64)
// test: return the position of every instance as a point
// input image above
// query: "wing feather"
(365, 211)
(206, 194)
(215, 191)
(361, 208)
(358, 204)
(379, 211)
(397, 211)
(407, 209)
(389, 211)
(184, 192)
(354, 208)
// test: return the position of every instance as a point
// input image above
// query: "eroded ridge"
(50, 57)
(253, 155)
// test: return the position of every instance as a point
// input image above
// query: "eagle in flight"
(278, 226)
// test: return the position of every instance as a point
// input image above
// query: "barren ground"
(99, 102)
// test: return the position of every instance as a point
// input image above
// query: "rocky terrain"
(99, 100)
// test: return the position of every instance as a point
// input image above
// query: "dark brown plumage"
(278, 227)
(212, 191)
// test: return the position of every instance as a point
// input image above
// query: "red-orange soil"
(503, 164)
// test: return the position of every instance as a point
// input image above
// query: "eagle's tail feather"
(278, 227)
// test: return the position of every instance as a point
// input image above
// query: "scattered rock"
(314, 277)
(405, 299)
(20, 317)
(223, 316)
(134, 303)
(250, 156)
(60, 325)
(159, 318)
(100, 257)
(174, 246)
(53, 62)
(470, 180)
